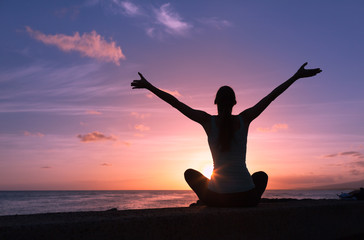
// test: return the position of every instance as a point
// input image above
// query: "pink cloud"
(149, 95)
(274, 128)
(93, 112)
(141, 127)
(91, 45)
(126, 143)
(34, 134)
(106, 164)
(139, 115)
(174, 93)
(95, 137)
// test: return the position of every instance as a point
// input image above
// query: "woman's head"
(225, 99)
(225, 96)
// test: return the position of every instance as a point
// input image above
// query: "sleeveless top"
(230, 173)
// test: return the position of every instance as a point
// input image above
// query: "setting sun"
(207, 170)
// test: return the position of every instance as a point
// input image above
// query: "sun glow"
(207, 170)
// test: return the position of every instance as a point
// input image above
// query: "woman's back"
(230, 171)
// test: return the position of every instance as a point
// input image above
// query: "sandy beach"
(272, 219)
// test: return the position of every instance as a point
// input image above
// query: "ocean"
(32, 202)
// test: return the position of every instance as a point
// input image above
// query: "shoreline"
(272, 219)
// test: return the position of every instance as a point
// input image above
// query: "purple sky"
(69, 119)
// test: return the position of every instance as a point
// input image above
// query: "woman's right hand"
(304, 73)
(141, 83)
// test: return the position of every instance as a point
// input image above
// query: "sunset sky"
(69, 119)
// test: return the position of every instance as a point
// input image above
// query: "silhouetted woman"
(231, 184)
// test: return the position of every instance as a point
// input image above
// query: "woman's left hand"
(303, 73)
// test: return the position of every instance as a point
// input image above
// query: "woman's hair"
(225, 100)
(225, 96)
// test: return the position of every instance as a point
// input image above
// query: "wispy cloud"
(126, 143)
(216, 22)
(95, 137)
(126, 8)
(93, 112)
(53, 88)
(91, 45)
(106, 164)
(129, 8)
(274, 128)
(34, 134)
(164, 20)
(139, 115)
(150, 31)
(141, 127)
(173, 93)
(355, 172)
(303, 180)
(171, 20)
(149, 95)
(352, 154)
(354, 161)
(359, 163)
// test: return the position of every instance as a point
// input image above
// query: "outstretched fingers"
(135, 84)
(303, 73)
(140, 83)
(316, 70)
(313, 71)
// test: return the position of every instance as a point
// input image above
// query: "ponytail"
(226, 132)
(225, 100)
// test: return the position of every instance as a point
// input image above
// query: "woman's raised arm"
(195, 115)
(251, 113)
